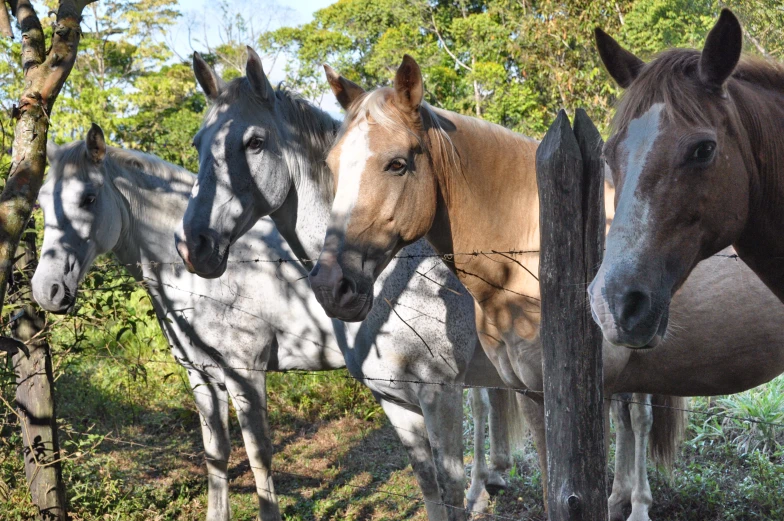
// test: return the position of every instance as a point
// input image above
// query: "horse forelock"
(672, 78)
(139, 168)
(424, 128)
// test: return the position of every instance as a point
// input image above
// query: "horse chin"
(357, 312)
(70, 309)
(211, 272)
(656, 339)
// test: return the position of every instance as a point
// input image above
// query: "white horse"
(226, 332)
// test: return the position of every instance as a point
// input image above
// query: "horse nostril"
(635, 305)
(346, 288)
(54, 291)
(203, 247)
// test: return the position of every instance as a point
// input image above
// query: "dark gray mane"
(313, 128)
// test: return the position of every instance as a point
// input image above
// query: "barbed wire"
(148, 283)
(446, 257)
(362, 380)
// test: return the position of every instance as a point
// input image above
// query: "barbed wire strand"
(362, 380)
(447, 257)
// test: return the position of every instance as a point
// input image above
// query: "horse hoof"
(494, 488)
(478, 503)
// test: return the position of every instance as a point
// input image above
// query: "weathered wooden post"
(569, 171)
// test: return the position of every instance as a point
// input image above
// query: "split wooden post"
(569, 172)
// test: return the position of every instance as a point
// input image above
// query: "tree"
(507, 61)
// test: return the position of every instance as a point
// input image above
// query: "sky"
(265, 14)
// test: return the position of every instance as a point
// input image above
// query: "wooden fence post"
(569, 172)
(35, 402)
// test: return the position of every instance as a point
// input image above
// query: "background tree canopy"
(513, 62)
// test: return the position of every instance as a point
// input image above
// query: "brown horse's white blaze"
(636, 307)
(697, 158)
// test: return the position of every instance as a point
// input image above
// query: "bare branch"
(33, 42)
(446, 47)
(5, 22)
(756, 43)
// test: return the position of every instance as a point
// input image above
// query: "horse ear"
(96, 144)
(255, 73)
(722, 51)
(409, 89)
(210, 82)
(52, 150)
(344, 90)
(622, 65)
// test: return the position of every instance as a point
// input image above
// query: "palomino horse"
(697, 152)
(261, 153)
(99, 199)
(405, 170)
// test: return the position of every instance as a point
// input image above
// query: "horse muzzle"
(202, 254)
(55, 297)
(337, 292)
(629, 316)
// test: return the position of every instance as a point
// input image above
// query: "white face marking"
(354, 154)
(637, 145)
(195, 189)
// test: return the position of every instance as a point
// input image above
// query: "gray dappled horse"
(259, 157)
(226, 332)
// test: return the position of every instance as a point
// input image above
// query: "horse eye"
(255, 143)
(703, 152)
(87, 201)
(397, 166)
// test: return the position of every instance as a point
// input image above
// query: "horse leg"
(642, 422)
(533, 413)
(478, 497)
(213, 405)
(501, 403)
(248, 389)
(412, 432)
(621, 495)
(443, 412)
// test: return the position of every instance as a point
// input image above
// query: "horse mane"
(428, 131)
(672, 78)
(311, 125)
(142, 170)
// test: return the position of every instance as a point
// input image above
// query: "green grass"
(116, 382)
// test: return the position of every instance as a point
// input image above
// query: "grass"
(120, 383)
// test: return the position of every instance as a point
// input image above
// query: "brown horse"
(405, 170)
(697, 154)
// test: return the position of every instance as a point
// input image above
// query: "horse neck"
(492, 205)
(302, 219)
(761, 115)
(151, 214)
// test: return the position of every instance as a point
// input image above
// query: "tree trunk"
(45, 75)
(35, 398)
